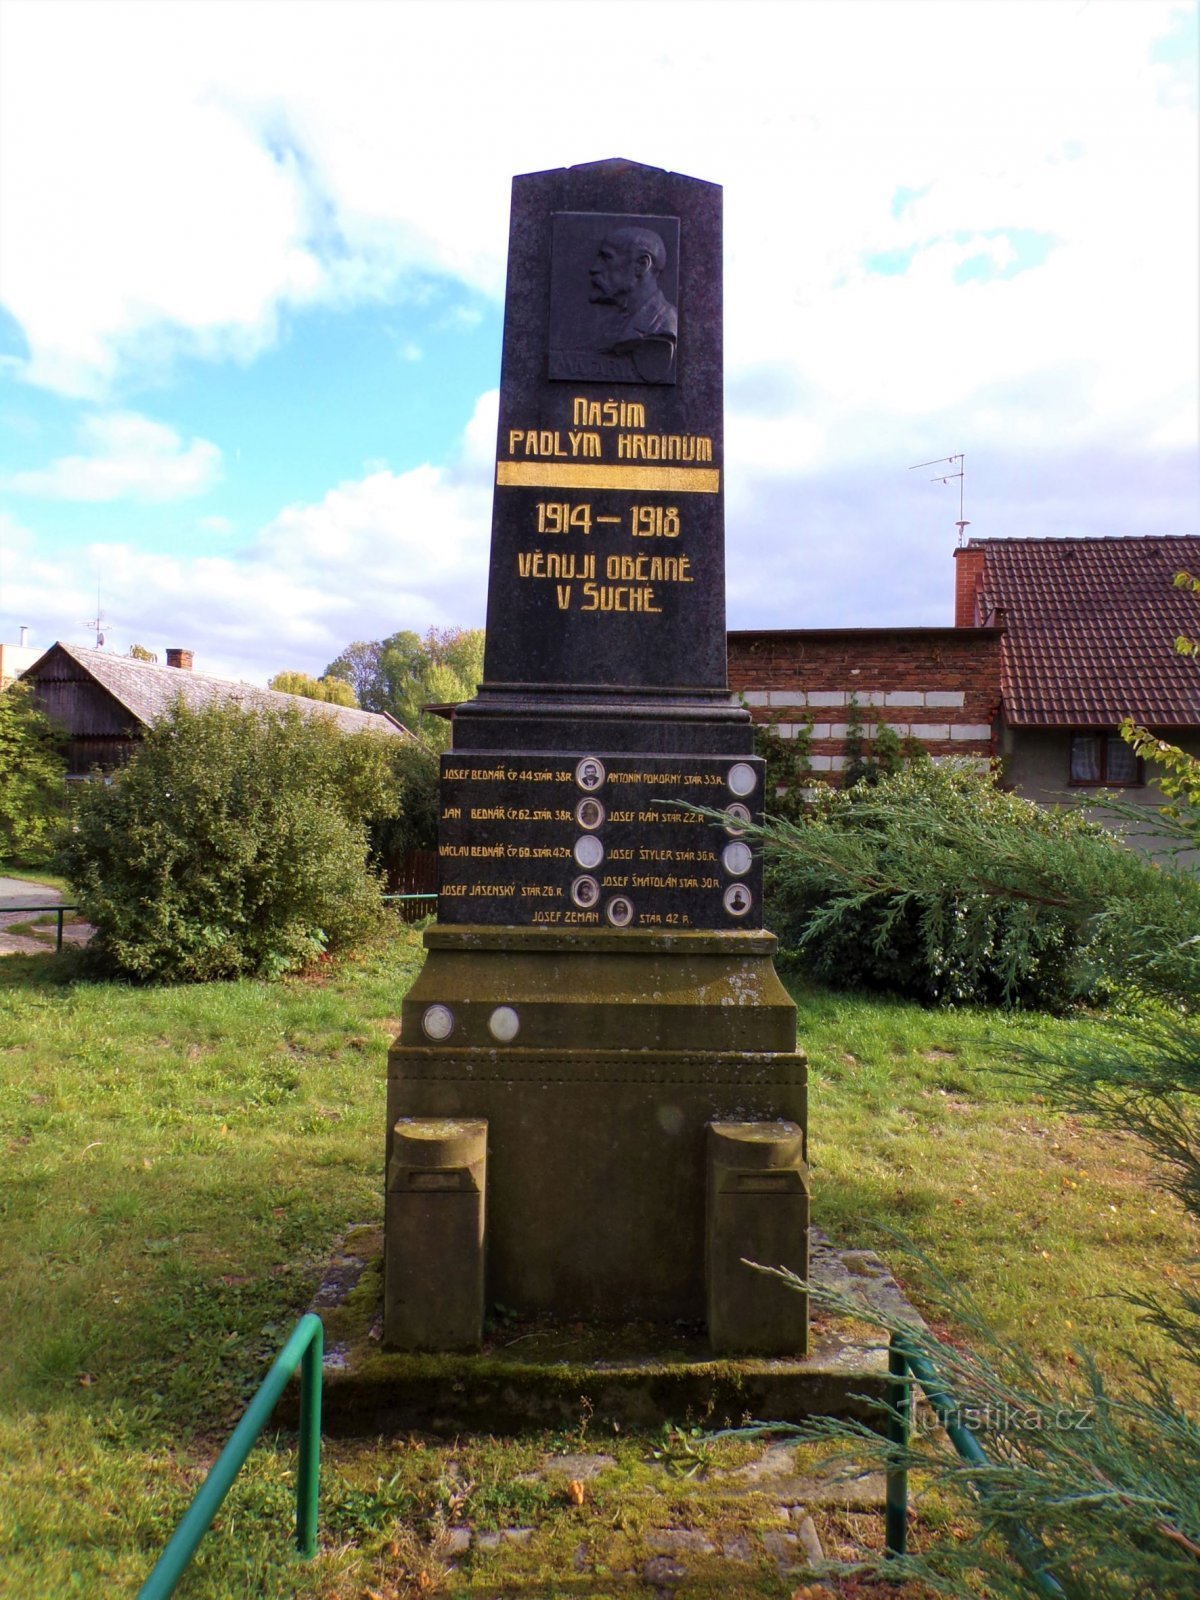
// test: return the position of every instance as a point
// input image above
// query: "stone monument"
(596, 1109)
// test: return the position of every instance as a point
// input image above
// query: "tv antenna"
(961, 475)
(97, 622)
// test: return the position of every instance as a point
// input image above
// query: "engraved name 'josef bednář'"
(598, 841)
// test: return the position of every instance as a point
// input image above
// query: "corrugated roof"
(1090, 628)
(148, 691)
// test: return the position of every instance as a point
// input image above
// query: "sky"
(252, 279)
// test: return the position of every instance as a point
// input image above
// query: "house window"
(1103, 759)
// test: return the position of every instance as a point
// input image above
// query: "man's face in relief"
(613, 274)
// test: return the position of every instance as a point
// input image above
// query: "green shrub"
(413, 821)
(31, 779)
(894, 887)
(232, 844)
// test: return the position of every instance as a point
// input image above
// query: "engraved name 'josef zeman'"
(614, 283)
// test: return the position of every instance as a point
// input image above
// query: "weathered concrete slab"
(533, 1374)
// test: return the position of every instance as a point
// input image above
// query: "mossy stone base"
(535, 1374)
(626, 1045)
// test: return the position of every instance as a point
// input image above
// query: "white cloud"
(178, 175)
(131, 458)
(185, 177)
(383, 552)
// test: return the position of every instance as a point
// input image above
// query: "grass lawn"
(178, 1160)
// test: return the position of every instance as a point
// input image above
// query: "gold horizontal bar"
(556, 475)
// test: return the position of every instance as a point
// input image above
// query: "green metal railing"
(903, 1360)
(304, 1350)
(58, 907)
(408, 907)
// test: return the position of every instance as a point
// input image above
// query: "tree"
(358, 665)
(404, 672)
(233, 843)
(138, 652)
(331, 690)
(414, 819)
(32, 770)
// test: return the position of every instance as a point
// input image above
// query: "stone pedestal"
(757, 1212)
(436, 1189)
(627, 1045)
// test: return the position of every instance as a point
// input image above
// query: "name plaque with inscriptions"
(582, 840)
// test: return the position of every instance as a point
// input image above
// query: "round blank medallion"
(619, 911)
(588, 851)
(736, 858)
(504, 1024)
(742, 778)
(437, 1022)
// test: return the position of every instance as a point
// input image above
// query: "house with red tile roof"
(1087, 638)
(1055, 642)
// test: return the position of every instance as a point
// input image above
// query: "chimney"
(24, 635)
(181, 659)
(968, 578)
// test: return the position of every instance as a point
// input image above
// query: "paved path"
(17, 893)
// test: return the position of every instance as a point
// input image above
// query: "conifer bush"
(232, 844)
(1095, 1479)
(897, 887)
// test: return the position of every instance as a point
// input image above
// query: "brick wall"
(968, 579)
(941, 685)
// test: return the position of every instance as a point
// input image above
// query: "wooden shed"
(105, 702)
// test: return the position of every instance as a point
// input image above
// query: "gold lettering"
(642, 569)
(669, 569)
(618, 597)
(587, 413)
(663, 447)
(562, 593)
(555, 564)
(584, 444)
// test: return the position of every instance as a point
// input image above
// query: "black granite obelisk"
(599, 990)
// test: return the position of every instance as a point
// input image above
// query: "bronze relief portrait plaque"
(614, 296)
